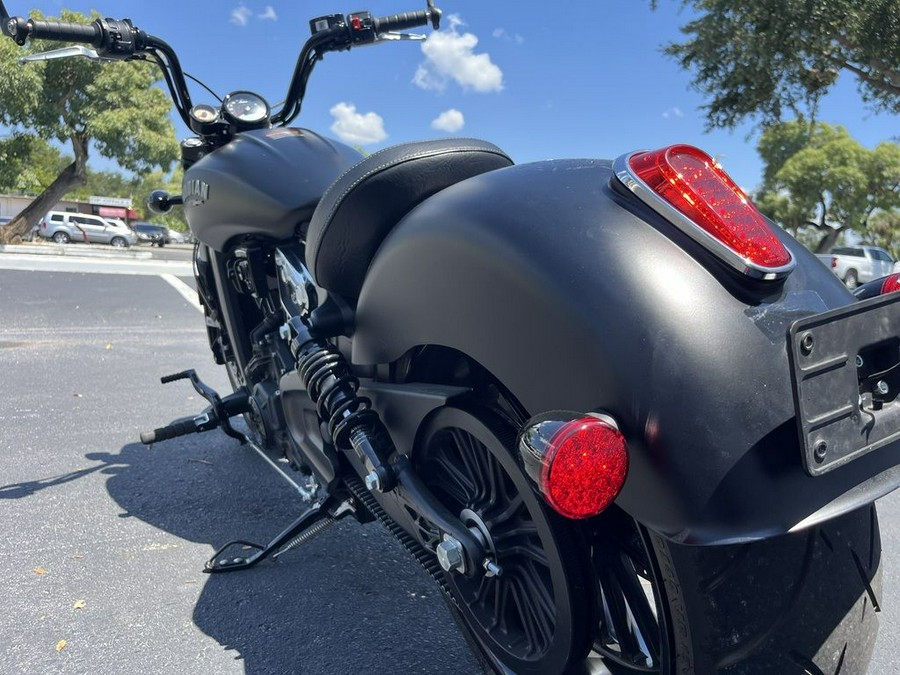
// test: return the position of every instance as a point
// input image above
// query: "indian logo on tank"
(196, 192)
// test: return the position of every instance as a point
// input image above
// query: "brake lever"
(62, 53)
(402, 36)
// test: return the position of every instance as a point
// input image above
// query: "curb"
(80, 251)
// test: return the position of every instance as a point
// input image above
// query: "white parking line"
(186, 291)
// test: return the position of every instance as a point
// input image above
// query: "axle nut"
(450, 555)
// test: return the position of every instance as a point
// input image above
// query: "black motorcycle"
(623, 420)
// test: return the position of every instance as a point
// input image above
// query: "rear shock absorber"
(332, 386)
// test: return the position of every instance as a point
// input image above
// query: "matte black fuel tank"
(264, 182)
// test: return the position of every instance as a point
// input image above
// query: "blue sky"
(571, 78)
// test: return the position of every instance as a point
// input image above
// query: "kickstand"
(296, 530)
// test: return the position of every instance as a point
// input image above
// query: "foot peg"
(314, 520)
(218, 413)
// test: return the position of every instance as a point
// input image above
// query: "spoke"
(620, 628)
(536, 621)
(531, 551)
(456, 484)
(520, 529)
(637, 600)
(508, 512)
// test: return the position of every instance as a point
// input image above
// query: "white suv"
(63, 227)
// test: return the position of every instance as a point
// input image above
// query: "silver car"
(63, 227)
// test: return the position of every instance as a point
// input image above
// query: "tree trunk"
(71, 177)
(827, 242)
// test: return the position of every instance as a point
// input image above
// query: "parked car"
(152, 233)
(176, 237)
(855, 265)
(63, 227)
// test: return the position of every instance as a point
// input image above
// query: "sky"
(548, 80)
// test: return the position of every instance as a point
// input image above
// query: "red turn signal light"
(891, 284)
(577, 462)
(693, 192)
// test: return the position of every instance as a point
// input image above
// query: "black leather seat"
(359, 209)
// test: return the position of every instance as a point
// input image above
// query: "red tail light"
(833, 262)
(688, 188)
(891, 284)
(579, 465)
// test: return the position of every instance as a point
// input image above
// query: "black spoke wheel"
(633, 635)
(537, 615)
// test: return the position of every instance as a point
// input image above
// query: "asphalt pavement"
(105, 539)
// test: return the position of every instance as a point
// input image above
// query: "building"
(105, 207)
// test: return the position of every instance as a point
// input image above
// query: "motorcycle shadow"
(352, 600)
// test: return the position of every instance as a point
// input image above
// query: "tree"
(817, 176)
(768, 57)
(28, 165)
(884, 231)
(108, 107)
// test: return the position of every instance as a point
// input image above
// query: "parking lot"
(105, 539)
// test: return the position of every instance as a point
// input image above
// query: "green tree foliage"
(111, 108)
(28, 165)
(816, 176)
(765, 58)
(884, 231)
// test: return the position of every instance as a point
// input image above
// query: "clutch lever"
(62, 53)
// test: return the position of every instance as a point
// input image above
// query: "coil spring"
(333, 388)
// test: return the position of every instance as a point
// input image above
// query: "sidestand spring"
(305, 536)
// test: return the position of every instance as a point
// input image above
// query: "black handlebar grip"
(65, 32)
(174, 430)
(402, 21)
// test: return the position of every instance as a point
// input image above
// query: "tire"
(61, 238)
(851, 280)
(118, 242)
(798, 603)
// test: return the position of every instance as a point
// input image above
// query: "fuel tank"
(265, 182)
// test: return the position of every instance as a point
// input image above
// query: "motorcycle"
(626, 423)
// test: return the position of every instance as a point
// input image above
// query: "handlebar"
(120, 39)
(62, 31)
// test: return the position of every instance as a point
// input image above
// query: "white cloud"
(449, 56)
(353, 127)
(240, 15)
(269, 14)
(501, 34)
(672, 112)
(450, 121)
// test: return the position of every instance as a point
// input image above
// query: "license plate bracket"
(841, 412)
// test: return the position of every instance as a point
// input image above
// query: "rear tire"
(799, 603)
(61, 238)
(851, 280)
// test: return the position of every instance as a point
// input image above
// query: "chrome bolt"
(285, 332)
(450, 555)
(882, 387)
(491, 569)
(806, 344)
(373, 482)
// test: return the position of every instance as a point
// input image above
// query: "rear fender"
(575, 296)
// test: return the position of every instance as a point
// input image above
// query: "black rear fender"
(575, 296)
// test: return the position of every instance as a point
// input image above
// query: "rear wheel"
(535, 617)
(607, 595)
(851, 280)
(61, 238)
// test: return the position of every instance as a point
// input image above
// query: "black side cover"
(360, 208)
